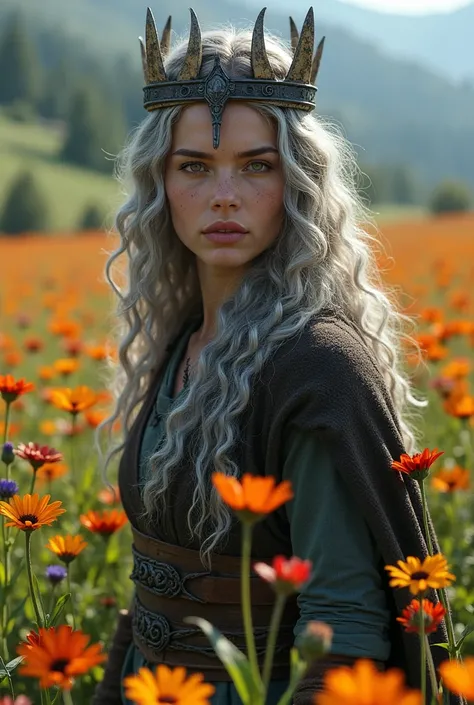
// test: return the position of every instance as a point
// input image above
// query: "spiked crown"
(297, 90)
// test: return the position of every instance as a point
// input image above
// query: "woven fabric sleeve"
(345, 588)
(108, 691)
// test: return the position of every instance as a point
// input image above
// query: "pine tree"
(25, 208)
(94, 130)
(92, 218)
(19, 65)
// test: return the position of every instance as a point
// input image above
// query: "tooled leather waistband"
(171, 583)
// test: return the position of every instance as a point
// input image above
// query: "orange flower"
(109, 495)
(167, 685)
(433, 616)
(11, 388)
(73, 400)
(436, 352)
(365, 685)
(450, 480)
(457, 369)
(66, 366)
(417, 466)
(97, 352)
(29, 513)
(95, 417)
(61, 655)
(419, 576)
(462, 408)
(33, 345)
(66, 547)
(45, 372)
(51, 471)
(254, 497)
(37, 455)
(459, 677)
(105, 522)
(73, 347)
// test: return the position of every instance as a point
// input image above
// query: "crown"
(297, 90)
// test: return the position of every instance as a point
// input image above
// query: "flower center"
(31, 518)
(420, 575)
(167, 699)
(59, 665)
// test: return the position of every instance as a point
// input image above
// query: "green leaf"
(443, 645)
(10, 667)
(466, 631)
(236, 663)
(58, 608)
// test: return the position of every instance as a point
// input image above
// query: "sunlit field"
(56, 319)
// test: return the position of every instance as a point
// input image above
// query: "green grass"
(66, 188)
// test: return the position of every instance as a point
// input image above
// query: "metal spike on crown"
(296, 91)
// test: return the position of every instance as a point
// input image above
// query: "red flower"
(37, 455)
(105, 522)
(11, 389)
(417, 466)
(287, 575)
(433, 616)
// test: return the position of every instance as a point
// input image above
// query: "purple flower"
(55, 573)
(7, 489)
(8, 456)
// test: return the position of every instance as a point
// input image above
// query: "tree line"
(46, 78)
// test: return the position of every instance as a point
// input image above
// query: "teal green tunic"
(326, 527)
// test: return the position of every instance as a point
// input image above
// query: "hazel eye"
(184, 167)
(261, 164)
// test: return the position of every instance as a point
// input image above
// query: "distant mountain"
(393, 111)
(441, 41)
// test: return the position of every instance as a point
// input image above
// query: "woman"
(256, 338)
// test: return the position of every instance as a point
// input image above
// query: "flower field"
(56, 323)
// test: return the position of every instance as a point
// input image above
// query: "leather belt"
(171, 583)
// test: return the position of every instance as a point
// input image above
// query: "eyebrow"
(204, 155)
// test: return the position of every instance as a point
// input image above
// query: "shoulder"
(330, 348)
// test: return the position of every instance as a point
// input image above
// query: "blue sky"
(411, 6)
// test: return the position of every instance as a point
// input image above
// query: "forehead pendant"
(217, 89)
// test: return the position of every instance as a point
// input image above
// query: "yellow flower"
(419, 576)
(66, 547)
(167, 685)
(29, 513)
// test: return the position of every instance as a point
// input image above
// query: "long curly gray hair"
(322, 257)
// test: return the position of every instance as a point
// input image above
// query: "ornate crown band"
(297, 90)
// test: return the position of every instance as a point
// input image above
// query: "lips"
(225, 225)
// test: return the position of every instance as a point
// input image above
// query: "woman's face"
(204, 185)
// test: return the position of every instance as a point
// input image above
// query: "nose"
(225, 193)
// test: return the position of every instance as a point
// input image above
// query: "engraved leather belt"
(171, 583)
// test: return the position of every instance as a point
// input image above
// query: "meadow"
(57, 314)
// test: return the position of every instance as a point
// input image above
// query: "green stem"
(246, 602)
(425, 519)
(441, 593)
(47, 697)
(4, 615)
(33, 481)
(431, 669)
(5, 435)
(277, 613)
(70, 592)
(30, 579)
(67, 697)
(422, 651)
(10, 682)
